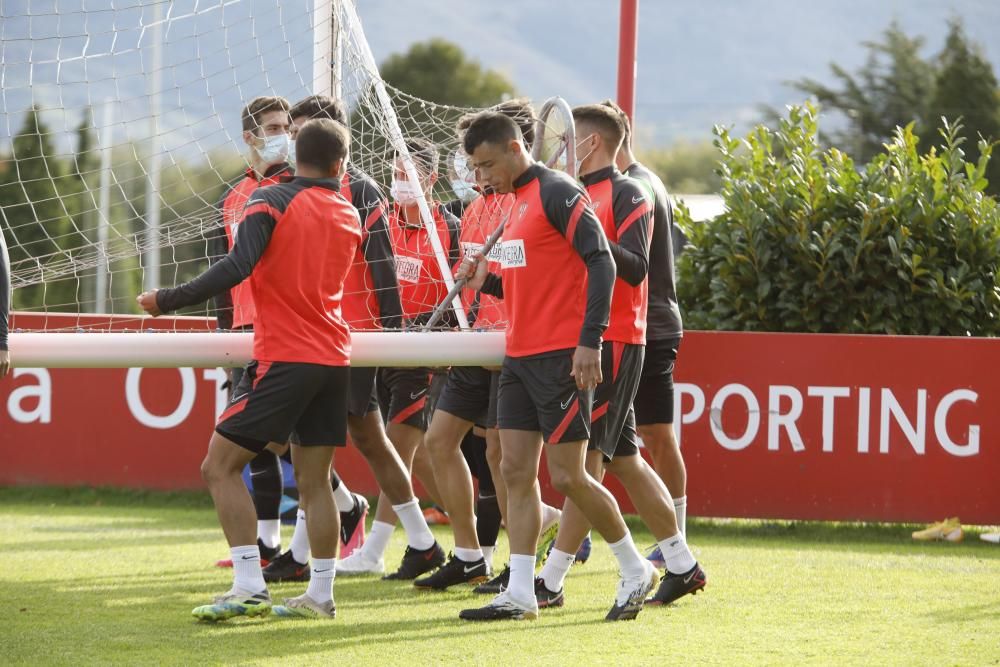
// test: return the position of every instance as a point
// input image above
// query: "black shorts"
(537, 393)
(654, 402)
(407, 395)
(362, 399)
(470, 393)
(612, 430)
(275, 398)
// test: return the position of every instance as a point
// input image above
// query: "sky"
(699, 63)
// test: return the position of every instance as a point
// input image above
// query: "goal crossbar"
(208, 350)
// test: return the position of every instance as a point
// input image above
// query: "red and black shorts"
(273, 399)
(537, 393)
(470, 393)
(361, 398)
(613, 419)
(654, 402)
(407, 395)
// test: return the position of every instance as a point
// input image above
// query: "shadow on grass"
(974, 612)
(822, 535)
(129, 622)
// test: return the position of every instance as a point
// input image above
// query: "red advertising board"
(771, 426)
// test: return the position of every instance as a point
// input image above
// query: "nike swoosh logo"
(415, 395)
(249, 557)
(326, 570)
(568, 401)
(687, 579)
(237, 399)
(636, 200)
(571, 202)
(474, 567)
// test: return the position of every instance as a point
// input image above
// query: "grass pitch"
(110, 577)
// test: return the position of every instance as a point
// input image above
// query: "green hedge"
(907, 245)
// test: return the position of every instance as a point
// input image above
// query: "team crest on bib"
(512, 254)
(408, 269)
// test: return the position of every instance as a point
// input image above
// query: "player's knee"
(567, 481)
(516, 476)
(309, 481)
(211, 472)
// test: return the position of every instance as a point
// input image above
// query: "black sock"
(265, 472)
(487, 520)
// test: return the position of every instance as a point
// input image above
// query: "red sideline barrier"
(772, 426)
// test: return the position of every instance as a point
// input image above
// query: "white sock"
(468, 555)
(378, 539)
(269, 532)
(321, 579)
(300, 539)
(522, 578)
(247, 575)
(676, 554)
(556, 568)
(418, 534)
(630, 562)
(344, 498)
(488, 555)
(681, 509)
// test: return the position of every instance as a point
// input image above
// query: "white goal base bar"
(209, 350)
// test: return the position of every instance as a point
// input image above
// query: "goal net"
(120, 130)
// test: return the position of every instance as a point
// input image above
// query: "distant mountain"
(700, 63)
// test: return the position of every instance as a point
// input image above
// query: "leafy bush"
(908, 245)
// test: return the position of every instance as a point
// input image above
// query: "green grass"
(110, 577)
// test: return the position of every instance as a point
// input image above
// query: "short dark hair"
(489, 127)
(607, 123)
(259, 106)
(424, 153)
(519, 110)
(626, 121)
(320, 143)
(320, 106)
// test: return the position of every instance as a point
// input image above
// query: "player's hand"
(4, 363)
(147, 301)
(473, 268)
(587, 367)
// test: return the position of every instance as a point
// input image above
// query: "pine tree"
(966, 88)
(37, 220)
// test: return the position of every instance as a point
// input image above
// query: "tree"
(38, 211)
(966, 88)
(439, 71)
(892, 89)
(686, 168)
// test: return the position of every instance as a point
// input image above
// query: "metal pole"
(628, 28)
(152, 253)
(337, 62)
(104, 209)
(322, 47)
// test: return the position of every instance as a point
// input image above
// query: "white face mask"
(462, 179)
(275, 149)
(579, 160)
(464, 190)
(290, 158)
(404, 192)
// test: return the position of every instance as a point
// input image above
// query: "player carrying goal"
(296, 244)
